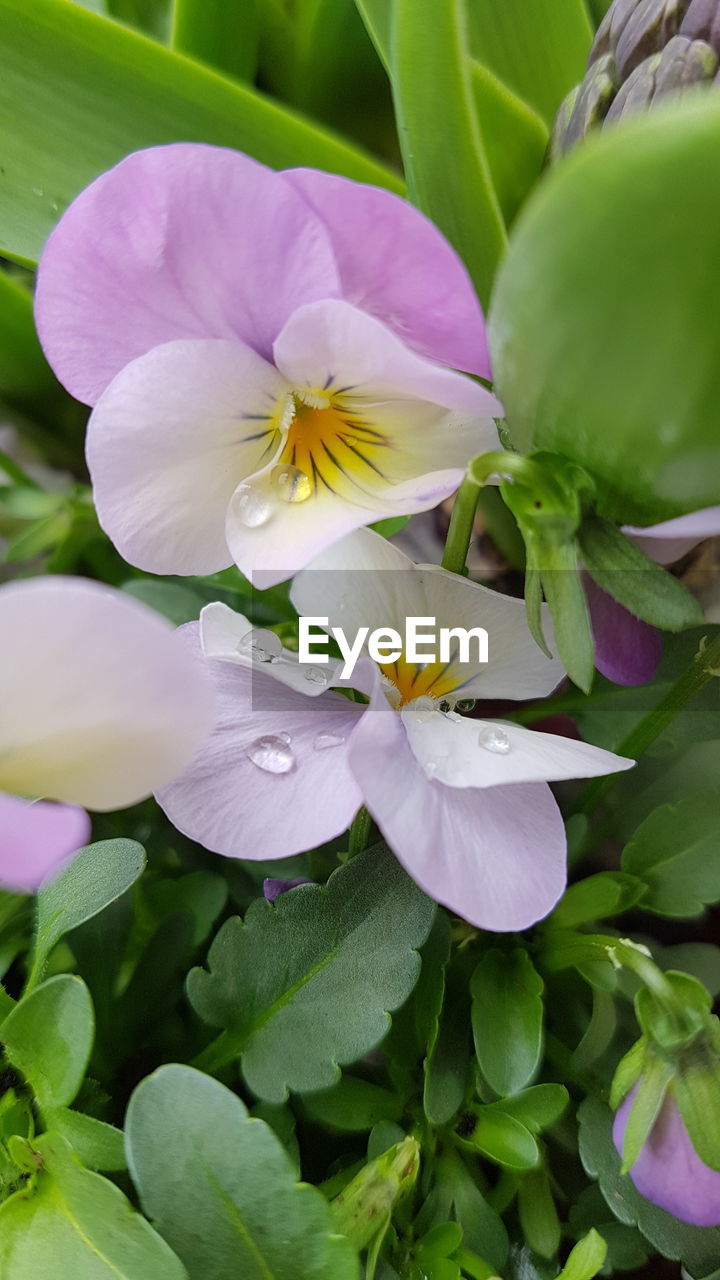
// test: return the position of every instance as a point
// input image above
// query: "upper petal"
(672, 539)
(462, 752)
(179, 241)
(36, 839)
(272, 779)
(99, 702)
(668, 1171)
(394, 263)
(168, 443)
(496, 857)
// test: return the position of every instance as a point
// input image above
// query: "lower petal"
(273, 777)
(36, 838)
(496, 857)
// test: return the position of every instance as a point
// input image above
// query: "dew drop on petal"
(494, 739)
(423, 708)
(251, 507)
(290, 483)
(286, 738)
(314, 675)
(261, 645)
(464, 705)
(325, 741)
(271, 754)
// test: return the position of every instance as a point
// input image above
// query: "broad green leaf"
(586, 1259)
(353, 1105)
(446, 165)
(538, 49)
(96, 1144)
(504, 1139)
(24, 372)
(537, 1107)
(68, 1222)
(599, 242)
(377, 16)
(674, 851)
(625, 572)
(279, 981)
(223, 35)
(447, 1065)
(697, 1247)
(221, 1189)
(48, 1037)
(79, 93)
(538, 1215)
(514, 137)
(596, 898)
(98, 875)
(507, 1019)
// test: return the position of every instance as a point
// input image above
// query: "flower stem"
(460, 532)
(359, 833)
(704, 666)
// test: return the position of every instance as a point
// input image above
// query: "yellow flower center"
(330, 446)
(436, 680)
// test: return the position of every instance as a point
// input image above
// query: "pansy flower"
(99, 704)
(266, 356)
(628, 650)
(464, 803)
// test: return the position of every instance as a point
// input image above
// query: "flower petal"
(224, 636)
(627, 650)
(672, 539)
(36, 839)
(169, 442)
(367, 581)
(243, 810)
(180, 241)
(496, 857)
(462, 752)
(668, 1171)
(99, 702)
(395, 264)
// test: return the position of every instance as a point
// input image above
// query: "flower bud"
(367, 1203)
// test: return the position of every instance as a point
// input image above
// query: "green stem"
(219, 1053)
(359, 833)
(704, 666)
(462, 519)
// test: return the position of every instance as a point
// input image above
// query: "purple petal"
(672, 539)
(668, 1171)
(496, 856)
(273, 888)
(395, 264)
(627, 650)
(36, 839)
(238, 808)
(180, 241)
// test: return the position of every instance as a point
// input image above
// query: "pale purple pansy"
(628, 650)
(100, 705)
(463, 803)
(668, 1171)
(270, 357)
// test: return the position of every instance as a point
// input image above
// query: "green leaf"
(697, 1247)
(483, 1229)
(24, 372)
(96, 1144)
(450, 182)
(64, 125)
(507, 1019)
(504, 1139)
(221, 1189)
(98, 875)
(353, 1105)
(599, 241)
(538, 1215)
(586, 1259)
(71, 1223)
(626, 573)
(514, 137)
(674, 852)
(597, 897)
(224, 36)
(537, 49)
(537, 1107)
(48, 1037)
(173, 600)
(447, 1065)
(270, 975)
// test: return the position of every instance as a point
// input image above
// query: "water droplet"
(464, 705)
(446, 704)
(54, 207)
(271, 754)
(286, 738)
(325, 741)
(261, 645)
(494, 739)
(38, 191)
(290, 483)
(251, 507)
(423, 708)
(315, 675)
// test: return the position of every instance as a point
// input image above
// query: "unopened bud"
(366, 1204)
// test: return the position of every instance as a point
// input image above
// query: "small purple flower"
(463, 803)
(668, 1170)
(266, 355)
(628, 650)
(99, 706)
